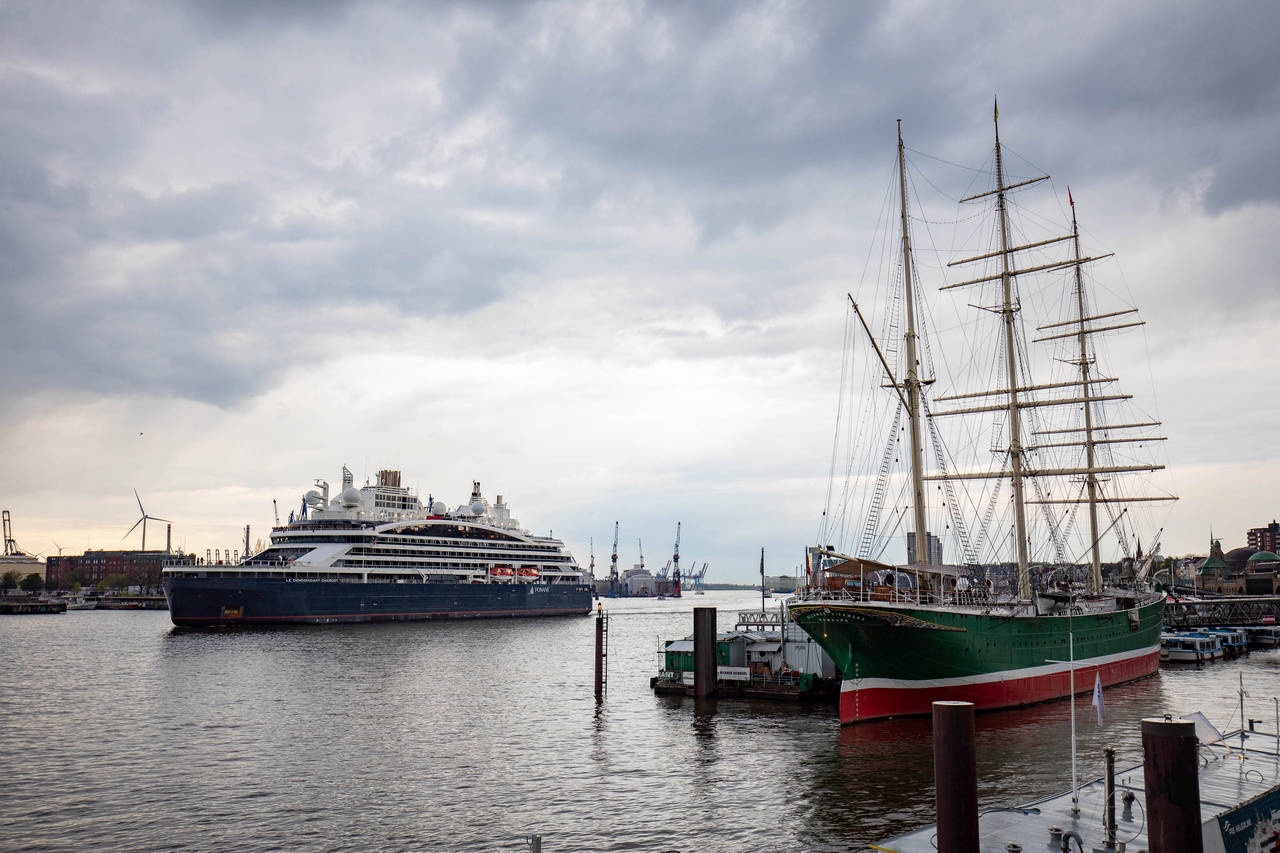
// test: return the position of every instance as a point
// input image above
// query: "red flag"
(1069, 198)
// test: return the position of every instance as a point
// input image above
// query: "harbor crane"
(11, 548)
(613, 565)
(697, 579)
(675, 565)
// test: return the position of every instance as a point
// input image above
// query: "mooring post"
(955, 777)
(1171, 772)
(704, 652)
(1109, 806)
(600, 652)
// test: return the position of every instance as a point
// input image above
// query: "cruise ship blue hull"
(209, 602)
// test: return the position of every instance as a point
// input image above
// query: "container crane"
(697, 579)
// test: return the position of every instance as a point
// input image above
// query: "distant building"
(1264, 538)
(139, 568)
(23, 564)
(933, 551)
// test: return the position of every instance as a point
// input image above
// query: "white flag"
(1097, 695)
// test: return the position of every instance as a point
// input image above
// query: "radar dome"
(313, 498)
(477, 507)
(350, 497)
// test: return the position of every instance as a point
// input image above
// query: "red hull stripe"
(874, 699)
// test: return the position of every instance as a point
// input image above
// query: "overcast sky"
(593, 255)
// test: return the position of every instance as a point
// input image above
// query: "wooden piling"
(704, 652)
(955, 777)
(1171, 771)
(601, 652)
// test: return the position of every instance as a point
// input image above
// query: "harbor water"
(119, 732)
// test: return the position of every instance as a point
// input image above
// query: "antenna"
(142, 521)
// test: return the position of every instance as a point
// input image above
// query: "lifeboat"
(527, 573)
(501, 572)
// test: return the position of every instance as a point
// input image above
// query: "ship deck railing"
(907, 595)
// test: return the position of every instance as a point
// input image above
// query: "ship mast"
(912, 381)
(1085, 384)
(1091, 478)
(1008, 312)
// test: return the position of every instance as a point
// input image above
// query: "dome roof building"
(1238, 558)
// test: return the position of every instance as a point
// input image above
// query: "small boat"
(80, 602)
(1263, 636)
(1234, 641)
(765, 656)
(1190, 647)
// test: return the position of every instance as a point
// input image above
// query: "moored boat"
(1190, 647)
(377, 554)
(998, 632)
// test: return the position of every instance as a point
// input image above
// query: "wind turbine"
(143, 522)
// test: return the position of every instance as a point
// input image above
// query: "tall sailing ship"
(378, 554)
(1044, 622)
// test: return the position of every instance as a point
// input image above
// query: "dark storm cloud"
(320, 195)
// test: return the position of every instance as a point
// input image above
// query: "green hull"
(896, 659)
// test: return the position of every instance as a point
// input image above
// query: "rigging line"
(936, 159)
(984, 532)
(957, 518)
(882, 485)
(835, 444)
(1103, 533)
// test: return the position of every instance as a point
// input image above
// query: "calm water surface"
(118, 732)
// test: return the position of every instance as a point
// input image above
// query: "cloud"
(602, 246)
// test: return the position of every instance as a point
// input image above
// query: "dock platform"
(1239, 808)
(22, 606)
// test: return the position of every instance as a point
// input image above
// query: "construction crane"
(613, 565)
(675, 565)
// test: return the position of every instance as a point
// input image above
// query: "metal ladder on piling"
(602, 653)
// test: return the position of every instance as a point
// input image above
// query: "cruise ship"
(378, 554)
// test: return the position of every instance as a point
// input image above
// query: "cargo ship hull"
(896, 661)
(214, 602)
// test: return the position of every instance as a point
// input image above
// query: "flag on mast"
(1097, 695)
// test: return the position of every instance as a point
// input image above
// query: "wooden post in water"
(955, 777)
(704, 652)
(1171, 773)
(601, 652)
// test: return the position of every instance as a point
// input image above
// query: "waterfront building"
(1265, 538)
(138, 568)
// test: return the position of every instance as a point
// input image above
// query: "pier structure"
(1240, 610)
(1196, 790)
